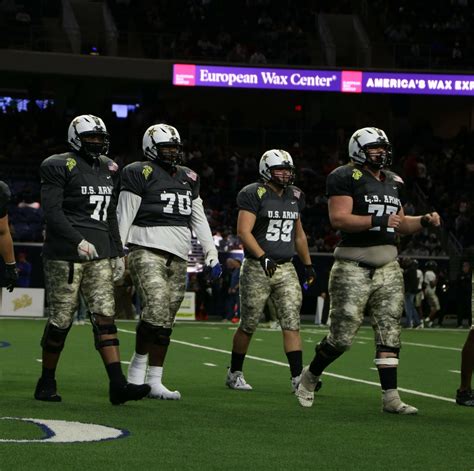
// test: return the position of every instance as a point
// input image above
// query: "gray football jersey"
(276, 215)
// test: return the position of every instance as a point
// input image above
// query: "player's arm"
(301, 243)
(117, 249)
(412, 224)
(53, 182)
(200, 226)
(341, 217)
(127, 209)
(245, 224)
(6, 242)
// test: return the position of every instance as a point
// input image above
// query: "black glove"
(268, 264)
(310, 275)
(11, 276)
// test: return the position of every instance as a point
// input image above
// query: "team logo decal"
(356, 174)
(261, 191)
(65, 431)
(147, 171)
(70, 163)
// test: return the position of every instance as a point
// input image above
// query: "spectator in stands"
(24, 270)
(232, 305)
(463, 295)
(411, 287)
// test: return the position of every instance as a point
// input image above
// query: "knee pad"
(102, 325)
(145, 331)
(153, 334)
(53, 338)
(326, 349)
(390, 361)
(162, 336)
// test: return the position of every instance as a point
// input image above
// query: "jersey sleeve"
(194, 181)
(338, 184)
(134, 178)
(5, 196)
(300, 198)
(248, 200)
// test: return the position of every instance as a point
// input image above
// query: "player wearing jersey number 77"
(270, 229)
(365, 204)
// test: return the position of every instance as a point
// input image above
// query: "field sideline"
(217, 428)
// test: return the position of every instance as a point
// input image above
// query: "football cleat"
(236, 380)
(465, 398)
(120, 393)
(46, 391)
(306, 388)
(295, 382)
(160, 391)
(392, 403)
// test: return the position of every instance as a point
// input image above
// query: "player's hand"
(430, 219)
(118, 268)
(387, 220)
(268, 264)
(213, 269)
(310, 275)
(11, 276)
(86, 250)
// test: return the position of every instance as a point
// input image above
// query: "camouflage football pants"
(354, 290)
(432, 298)
(93, 279)
(255, 289)
(160, 287)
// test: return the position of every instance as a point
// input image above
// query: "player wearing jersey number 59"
(82, 238)
(270, 229)
(365, 204)
(159, 206)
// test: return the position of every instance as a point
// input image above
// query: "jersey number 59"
(279, 229)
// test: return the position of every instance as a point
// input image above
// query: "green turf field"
(215, 428)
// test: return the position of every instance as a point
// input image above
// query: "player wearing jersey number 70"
(159, 206)
(81, 253)
(366, 205)
(270, 229)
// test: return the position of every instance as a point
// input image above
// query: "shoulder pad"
(109, 163)
(297, 192)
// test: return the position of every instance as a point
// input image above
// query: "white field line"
(414, 344)
(279, 363)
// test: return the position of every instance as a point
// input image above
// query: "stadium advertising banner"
(346, 81)
(22, 302)
(186, 311)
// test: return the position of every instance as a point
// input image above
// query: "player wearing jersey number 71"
(82, 239)
(365, 204)
(270, 229)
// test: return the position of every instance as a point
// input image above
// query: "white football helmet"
(88, 125)
(365, 138)
(275, 159)
(162, 143)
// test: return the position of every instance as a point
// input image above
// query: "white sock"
(137, 369)
(155, 373)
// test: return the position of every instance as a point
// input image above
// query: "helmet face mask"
(88, 136)
(276, 166)
(162, 143)
(370, 146)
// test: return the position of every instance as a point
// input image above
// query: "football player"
(365, 205)
(159, 206)
(269, 226)
(82, 253)
(6, 242)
